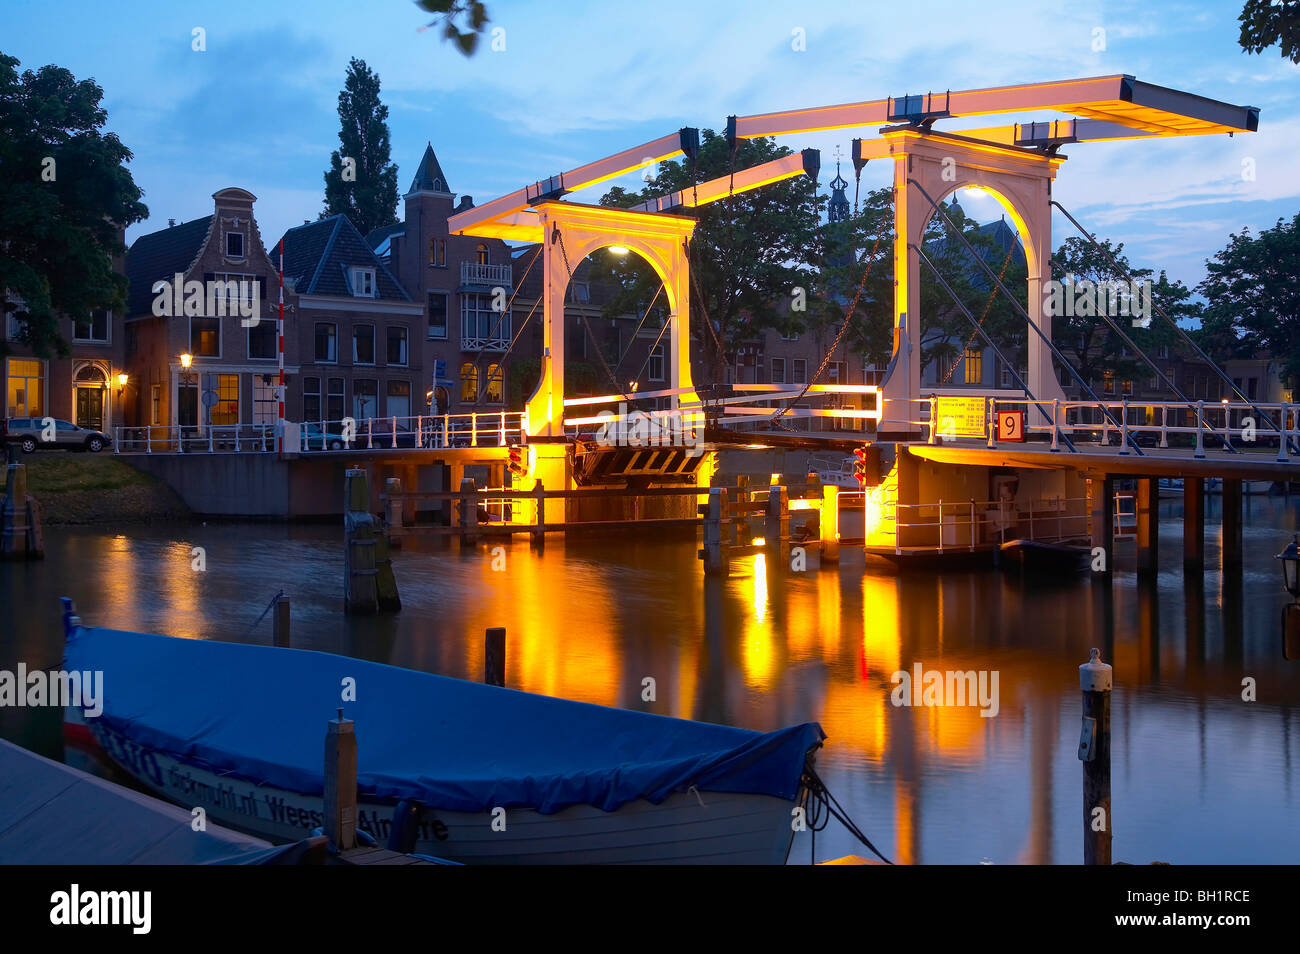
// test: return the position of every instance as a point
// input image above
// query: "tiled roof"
(160, 255)
(317, 257)
(376, 236)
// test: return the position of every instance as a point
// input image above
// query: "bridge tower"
(940, 164)
(571, 232)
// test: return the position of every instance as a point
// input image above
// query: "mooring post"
(1193, 524)
(777, 526)
(715, 553)
(538, 533)
(13, 516)
(341, 783)
(494, 656)
(393, 511)
(281, 623)
(1095, 679)
(468, 511)
(812, 525)
(1231, 528)
(359, 545)
(739, 533)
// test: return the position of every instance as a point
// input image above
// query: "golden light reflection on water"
(759, 642)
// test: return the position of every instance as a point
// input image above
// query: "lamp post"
(1290, 560)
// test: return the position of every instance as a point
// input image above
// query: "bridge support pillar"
(1148, 526)
(1231, 530)
(1193, 524)
(1101, 507)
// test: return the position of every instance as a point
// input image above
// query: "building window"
(311, 399)
(790, 337)
(396, 347)
(205, 337)
(365, 398)
(1108, 383)
(581, 291)
(363, 282)
(798, 371)
(93, 328)
(437, 314)
(226, 411)
(656, 363)
(481, 255)
(326, 343)
(495, 391)
(155, 404)
(234, 245)
(1006, 377)
(399, 399)
(234, 289)
(438, 252)
(836, 370)
(363, 344)
(778, 370)
(468, 382)
(26, 392)
(481, 327)
(261, 340)
(334, 401)
(266, 409)
(974, 362)
(1127, 387)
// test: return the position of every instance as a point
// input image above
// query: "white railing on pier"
(213, 439)
(1229, 425)
(974, 524)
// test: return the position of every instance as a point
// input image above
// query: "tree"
(472, 12)
(362, 181)
(751, 257)
(65, 194)
(1268, 22)
(1252, 291)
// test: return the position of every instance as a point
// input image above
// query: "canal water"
(1200, 774)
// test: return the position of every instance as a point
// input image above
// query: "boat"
(239, 731)
(831, 474)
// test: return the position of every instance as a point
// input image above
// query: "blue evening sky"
(578, 80)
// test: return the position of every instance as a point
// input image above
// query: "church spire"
(838, 210)
(429, 176)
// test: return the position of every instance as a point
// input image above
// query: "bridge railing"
(1228, 424)
(980, 524)
(436, 432)
(213, 439)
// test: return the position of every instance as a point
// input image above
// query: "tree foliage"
(1252, 291)
(366, 192)
(65, 193)
(1266, 23)
(452, 14)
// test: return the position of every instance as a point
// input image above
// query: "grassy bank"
(97, 489)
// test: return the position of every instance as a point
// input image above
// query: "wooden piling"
(20, 517)
(538, 534)
(281, 621)
(1095, 680)
(830, 523)
(1193, 524)
(1148, 526)
(1101, 507)
(468, 511)
(369, 585)
(739, 532)
(341, 783)
(715, 554)
(776, 526)
(393, 511)
(494, 656)
(1231, 529)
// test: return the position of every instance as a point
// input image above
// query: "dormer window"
(234, 244)
(363, 282)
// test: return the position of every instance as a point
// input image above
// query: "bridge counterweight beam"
(1101, 506)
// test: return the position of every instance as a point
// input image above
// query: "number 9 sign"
(1011, 426)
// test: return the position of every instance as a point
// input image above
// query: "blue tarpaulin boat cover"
(260, 714)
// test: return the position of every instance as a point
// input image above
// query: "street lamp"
(1290, 558)
(186, 360)
(121, 380)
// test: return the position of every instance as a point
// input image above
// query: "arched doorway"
(90, 401)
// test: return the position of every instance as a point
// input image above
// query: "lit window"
(468, 382)
(26, 389)
(438, 252)
(481, 254)
(974, 362)
(226, 410)
(494, 391)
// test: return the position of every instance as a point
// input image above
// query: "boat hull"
(685, 828)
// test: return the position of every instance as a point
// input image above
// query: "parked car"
(316, 437)
(29, 433)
